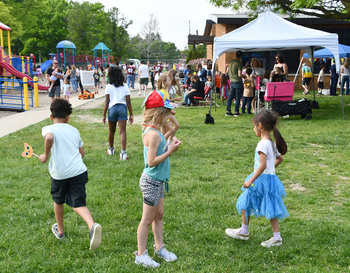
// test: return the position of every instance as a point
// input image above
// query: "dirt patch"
(315, 145)
(297, 187)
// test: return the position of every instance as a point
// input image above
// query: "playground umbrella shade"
(105, 51)
(66, 45)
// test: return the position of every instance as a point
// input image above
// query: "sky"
(175, 17)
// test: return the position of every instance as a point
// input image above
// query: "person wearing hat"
(236, 90)
(153, 179)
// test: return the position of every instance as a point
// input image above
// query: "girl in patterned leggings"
(154, 176)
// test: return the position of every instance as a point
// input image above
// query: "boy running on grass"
(67, 170)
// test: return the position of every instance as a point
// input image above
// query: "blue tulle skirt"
(264, 198)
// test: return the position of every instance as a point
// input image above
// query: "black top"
(199, 86)
(57, 82)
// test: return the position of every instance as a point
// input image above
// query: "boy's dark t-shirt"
(57, 82)
(96, 78)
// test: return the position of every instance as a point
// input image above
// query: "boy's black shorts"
(70, 191)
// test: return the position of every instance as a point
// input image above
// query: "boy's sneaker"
(228, 114)
(95, 236)
(55, 231)
(237, 114)
(271, 242)
(165, 254)
(145, 260)
(123, 157)
(236, 233)
(110, 151)
(49, 90)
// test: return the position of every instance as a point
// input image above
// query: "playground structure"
(21, 89)
(67, 54)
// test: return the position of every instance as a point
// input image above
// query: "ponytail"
(280, 142)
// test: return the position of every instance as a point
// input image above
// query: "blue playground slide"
(45, 65)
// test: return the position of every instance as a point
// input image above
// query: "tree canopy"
(335, 9)
(38, 25)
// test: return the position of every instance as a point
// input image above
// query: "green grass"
(206, 175)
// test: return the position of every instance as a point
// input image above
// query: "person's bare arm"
(258, 171)
(128, 103)
(81, 151)
(152, 141)
(105, 108)
(48, 145)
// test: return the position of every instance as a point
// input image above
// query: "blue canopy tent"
(344, 52)
(66, 46)
(105, 53)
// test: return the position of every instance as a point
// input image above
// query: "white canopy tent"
(270, 32)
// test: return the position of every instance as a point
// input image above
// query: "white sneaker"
(271, 242)
(95, 236)
(236, 233)
(123, 157)
(145, 260)
(110, 151)
(165, 254)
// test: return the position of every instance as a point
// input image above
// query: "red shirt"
(130, 70)
(158, 68)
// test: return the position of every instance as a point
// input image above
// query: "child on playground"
(66, 89)
(117, 102)
(67, 170)
(263, 190)
(96, 80)
(53, 78)
(155, 174)
(320, 79)
(248, 93)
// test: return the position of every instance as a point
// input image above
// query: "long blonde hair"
(171, 74)
(346, 63)
(154, 116)
(162, 81)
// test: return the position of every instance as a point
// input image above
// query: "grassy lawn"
(206, 175)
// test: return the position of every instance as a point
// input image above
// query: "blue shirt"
(160, 172)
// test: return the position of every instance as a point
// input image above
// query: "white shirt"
(269, 149)
(346, 71)
(144, 72)
(117, 94)
(65, 161)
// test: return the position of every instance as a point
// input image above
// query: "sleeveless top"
(160, 172)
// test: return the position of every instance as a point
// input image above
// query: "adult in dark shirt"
(56, 89)
(197, 90)
(334, 79)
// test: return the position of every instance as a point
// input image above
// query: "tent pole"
(312, 69)
(296, 74)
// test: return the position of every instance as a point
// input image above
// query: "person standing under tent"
(307, 77)
(236, 89)
(345, 72)
(334, 79)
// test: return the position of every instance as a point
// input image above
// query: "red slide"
(18, 74)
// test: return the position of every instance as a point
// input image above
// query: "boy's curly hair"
(60, 108)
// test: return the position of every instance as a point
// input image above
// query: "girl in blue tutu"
(263, 190)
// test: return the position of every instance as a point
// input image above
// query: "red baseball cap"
(155, 100)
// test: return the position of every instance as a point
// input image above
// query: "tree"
(151, 37)
(117, 37)
(87, 25)
(336, 9)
